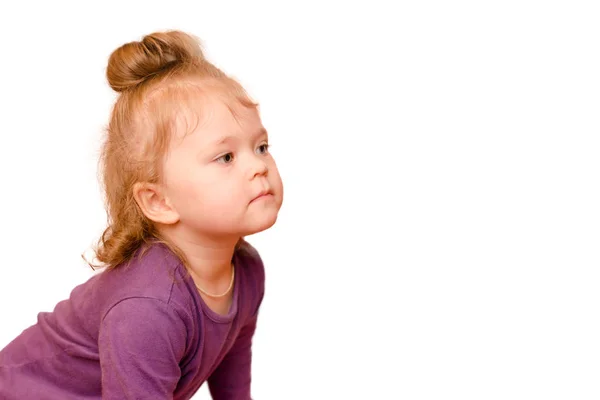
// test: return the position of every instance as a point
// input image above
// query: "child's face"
(215, 174)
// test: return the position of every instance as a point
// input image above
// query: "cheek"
(184, 188)
(218, 192)
(206, 189)
(275, 178)
(184, 195)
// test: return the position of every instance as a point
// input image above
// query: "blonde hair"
(157, 78)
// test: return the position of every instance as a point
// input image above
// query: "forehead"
(209, 117)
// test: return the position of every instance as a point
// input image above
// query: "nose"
(258, 166)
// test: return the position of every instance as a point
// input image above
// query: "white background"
(440, 232)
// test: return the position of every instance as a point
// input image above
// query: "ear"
(154, 204)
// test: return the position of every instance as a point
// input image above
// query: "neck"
(209, 258)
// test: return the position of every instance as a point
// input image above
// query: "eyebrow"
(225, 139)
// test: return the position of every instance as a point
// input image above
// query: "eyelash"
(265, 145)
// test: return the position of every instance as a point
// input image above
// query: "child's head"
(185, 155)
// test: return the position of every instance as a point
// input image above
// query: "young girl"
(187, 174)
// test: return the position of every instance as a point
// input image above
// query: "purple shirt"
(140, 331)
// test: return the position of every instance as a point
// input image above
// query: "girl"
(187, 174)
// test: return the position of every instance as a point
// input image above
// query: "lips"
(262, 194)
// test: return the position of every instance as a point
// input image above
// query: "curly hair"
(158, 79)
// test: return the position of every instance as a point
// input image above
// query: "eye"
(263, 148)
(225, 158)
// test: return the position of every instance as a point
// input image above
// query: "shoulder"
(151, 273)
(154, 278)
(149, 320)
(251, 261)
(141, 343)
(130, 311)
(250, 265)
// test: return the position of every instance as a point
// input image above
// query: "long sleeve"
(231, 380)
(141, 342)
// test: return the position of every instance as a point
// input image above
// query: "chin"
(260, 226)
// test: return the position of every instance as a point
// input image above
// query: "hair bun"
(134, 62)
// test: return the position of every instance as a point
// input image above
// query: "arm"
(140, 343)
(231, 379)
